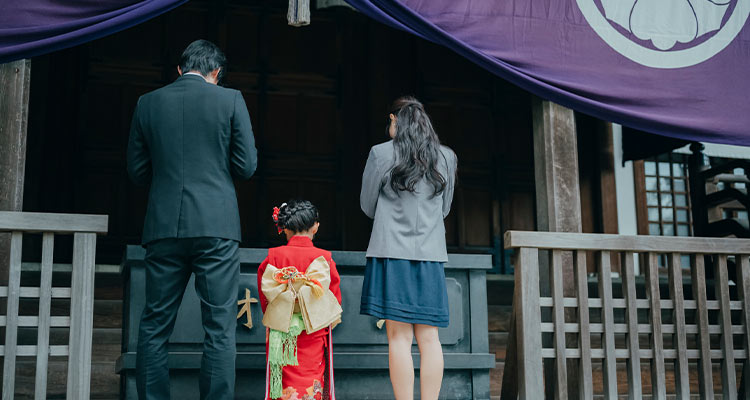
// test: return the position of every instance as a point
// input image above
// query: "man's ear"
(215, 75)
(179, 70)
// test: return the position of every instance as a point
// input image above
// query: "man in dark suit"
(188, 140)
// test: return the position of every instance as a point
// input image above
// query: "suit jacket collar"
(191, 77)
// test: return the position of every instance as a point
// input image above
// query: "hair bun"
(297, 216)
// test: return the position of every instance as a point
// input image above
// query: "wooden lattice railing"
(540, 328)
(84, 229)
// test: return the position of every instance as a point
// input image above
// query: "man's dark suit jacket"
(188, 140)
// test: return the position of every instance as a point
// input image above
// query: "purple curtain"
(29, 28)
(676, 68)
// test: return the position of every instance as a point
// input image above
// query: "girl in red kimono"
(300, 297)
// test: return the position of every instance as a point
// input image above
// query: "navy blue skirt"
(405, 291)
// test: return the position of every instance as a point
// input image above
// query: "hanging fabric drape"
(676, 68)
(30, 28)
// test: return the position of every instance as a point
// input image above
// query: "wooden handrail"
(536, 313)
(84, 229)
(641, 243)
(49, 222)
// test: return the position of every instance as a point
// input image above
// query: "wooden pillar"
(558, 196)
(15, 81)
(558, 205)
(558, 199)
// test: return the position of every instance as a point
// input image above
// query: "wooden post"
(81, 316)
(15, 81)
(558, 196)
(528, 326)
(697, 190)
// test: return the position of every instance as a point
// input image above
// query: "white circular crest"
(666, 32)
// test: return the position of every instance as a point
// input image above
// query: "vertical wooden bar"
(743, 280)
(608, 340)
(681, 372)
(480, 379)
(558, 195)
(705, 373)
(11, 316)
(81, 316)
(558, 315)
(585, 375)
(728, 374)
(15, 85)
(45, 302)
(635, 390)
(528, 326)
(509, 389)
(658, 380)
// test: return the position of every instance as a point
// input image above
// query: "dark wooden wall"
(318, 98)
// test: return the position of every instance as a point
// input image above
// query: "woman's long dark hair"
(417, 148)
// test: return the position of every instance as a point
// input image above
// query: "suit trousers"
(169, 263)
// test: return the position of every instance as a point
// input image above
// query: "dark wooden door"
(318, 98)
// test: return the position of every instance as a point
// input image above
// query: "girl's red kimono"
(312, 378)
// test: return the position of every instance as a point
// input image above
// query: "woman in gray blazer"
(407, 188)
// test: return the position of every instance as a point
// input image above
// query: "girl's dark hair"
(204, 57)
(297, 215)
(417, 147)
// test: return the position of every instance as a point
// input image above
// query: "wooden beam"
(53, 222)
(529, 335)
(14, 111)
(81, 316)
(558, 199)
(640, 243)
(556, 168)
(607, 184)
(15, 81)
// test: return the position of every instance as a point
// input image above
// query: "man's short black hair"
(204, 57)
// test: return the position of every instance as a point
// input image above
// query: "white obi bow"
(317, 304)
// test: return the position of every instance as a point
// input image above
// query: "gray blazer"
(189, 140)
(407, 225)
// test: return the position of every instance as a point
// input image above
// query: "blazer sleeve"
(243, 154)
(450, 184)
(372, 181)
(261, 296)
(335, 286)
(138, 155)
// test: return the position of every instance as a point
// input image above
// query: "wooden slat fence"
(84, 229)
(680, 327)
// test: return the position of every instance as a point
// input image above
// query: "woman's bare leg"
(431, 365)
(400, 363)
